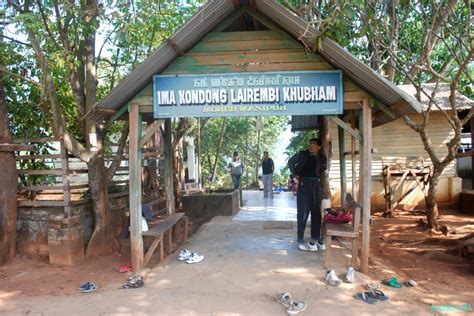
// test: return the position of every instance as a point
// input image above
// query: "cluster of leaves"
(241, 135)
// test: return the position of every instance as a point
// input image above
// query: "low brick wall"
(32, 224)
(207, 205)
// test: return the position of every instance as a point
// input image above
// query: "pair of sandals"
(393, 282)
(123, 268)
(293, 306)
(88, 287)
(190, 257)
(134, 282)
(372, 296)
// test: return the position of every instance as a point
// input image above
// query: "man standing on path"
(308, 166)
(236, 169)
(267, 171)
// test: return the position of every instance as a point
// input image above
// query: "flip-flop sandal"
(410, 283)
(90, 288)
(392, 282)
(284, 298)
(195, 259)
(378, 295)
(85, 285)
(371, 286)
(364, 296)
(124, 268)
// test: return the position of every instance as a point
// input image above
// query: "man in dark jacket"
(308, 166)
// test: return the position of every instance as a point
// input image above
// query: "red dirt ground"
(399, 247)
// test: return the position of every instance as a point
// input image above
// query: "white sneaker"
(284, 298)
(309, 246)
(296, 307)
(321, 246)
(350, 275)
(331, 278)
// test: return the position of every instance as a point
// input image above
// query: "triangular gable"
(215, 15)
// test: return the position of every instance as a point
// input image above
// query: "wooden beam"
(230, 19)
(117, 114)
(351, 105)
(345, 126)
(342, 159)
(169, 156)
(355, 189)
(385, 110)
(15, 147)
(152, 129)
(366, 184)
(135, 185)
(354, 96)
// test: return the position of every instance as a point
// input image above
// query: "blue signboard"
(248, 94)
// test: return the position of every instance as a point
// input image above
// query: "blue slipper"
(91, 287)
(364, 296)
(378, 295)
(84, 286)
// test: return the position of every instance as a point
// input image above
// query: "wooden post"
(472, 158)
(366, 183)
(169, 156)
(342, 161)
(135, 188)
(353, 162)
(198, 148)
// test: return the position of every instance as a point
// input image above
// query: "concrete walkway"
(246, 263)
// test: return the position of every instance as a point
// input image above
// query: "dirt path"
(244, 266)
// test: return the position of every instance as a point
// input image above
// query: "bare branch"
(46, 24)
(15, 40)
(12, 74)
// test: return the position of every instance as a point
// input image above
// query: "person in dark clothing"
(267, 175)
(308, 166)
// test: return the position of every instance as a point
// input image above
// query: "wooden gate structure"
(232, 36)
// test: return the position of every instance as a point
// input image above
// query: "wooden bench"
(349, 231)
(178, 223)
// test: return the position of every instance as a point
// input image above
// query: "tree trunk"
(103, 241)
(8, 186)
(432, 213)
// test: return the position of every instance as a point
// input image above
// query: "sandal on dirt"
(392, 282)
(184, 255)
(195, 258)
(378, 295)
(284, 298)
(371, 286)
(124, 268)
(91, 287)
(134, 282)
(364, 296)
(85, 285)
(296, 307)
(411, 283)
